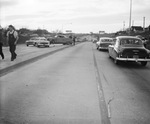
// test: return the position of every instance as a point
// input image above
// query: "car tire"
(109, 56)
(27, 45)
(116, 61)
(144, 63)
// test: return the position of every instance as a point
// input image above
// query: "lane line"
(102, 104)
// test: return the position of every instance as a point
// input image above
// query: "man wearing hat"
(12, 38)
(1, 42)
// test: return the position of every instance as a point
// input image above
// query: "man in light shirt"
(12, 38)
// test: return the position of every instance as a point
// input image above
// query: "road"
(77, 85)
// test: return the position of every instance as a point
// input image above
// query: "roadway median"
(7, 66)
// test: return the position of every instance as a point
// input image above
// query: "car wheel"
(143, 63)
(116, 61)
(27, 45)
(109, 56)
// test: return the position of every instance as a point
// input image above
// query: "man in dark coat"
(1, 42)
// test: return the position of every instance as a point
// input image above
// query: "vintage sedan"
(42, 41)
(62, 39)
(103, 43)
(31, 41)
(129, 48)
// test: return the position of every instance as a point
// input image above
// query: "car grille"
(132, 53)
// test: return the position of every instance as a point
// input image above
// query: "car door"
(60, 39)
(111, 48)
(114, 50)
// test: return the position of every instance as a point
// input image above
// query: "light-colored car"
(129, 48)
(103, 43)
(31, 41)
(42, 41)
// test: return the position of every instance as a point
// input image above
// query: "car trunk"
(106, 44)
(134, 53)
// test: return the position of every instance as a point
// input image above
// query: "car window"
(106, 40)
(33, 38)
(61, 36)
(40, 38)
(130, 42)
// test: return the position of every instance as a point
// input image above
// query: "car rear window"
(130, 42)
(106, 40)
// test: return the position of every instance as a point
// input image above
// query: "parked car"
(129, 48)
(103, 43)
(42, 41)
(31, 41)
(61, 39)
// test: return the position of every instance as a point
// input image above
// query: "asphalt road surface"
(77, 85)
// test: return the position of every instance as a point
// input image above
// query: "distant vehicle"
(31, 41)
(42, 41)
(94, 40)
(103, 43)
(61, 39)
(128, 48)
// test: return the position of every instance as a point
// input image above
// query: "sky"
(79, 16)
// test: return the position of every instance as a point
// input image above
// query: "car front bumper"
(132, 59)
(43, 44)
(103, 48)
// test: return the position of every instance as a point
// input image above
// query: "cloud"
(7, 3)
(87, 13)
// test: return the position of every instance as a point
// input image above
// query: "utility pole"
(130, 16)
(143, 23)
(123, 25)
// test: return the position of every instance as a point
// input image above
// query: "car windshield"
(106, 40)
(41, 39)
(130, 42)
(33, 38)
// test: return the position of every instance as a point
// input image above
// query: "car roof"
(106, 38)
(127, 37)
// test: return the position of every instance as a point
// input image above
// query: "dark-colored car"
(129, 48)
(61, 39)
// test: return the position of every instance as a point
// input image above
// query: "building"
(137, 29)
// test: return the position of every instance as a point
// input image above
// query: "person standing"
(12, 38)
(1, 42)
(74, 40)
